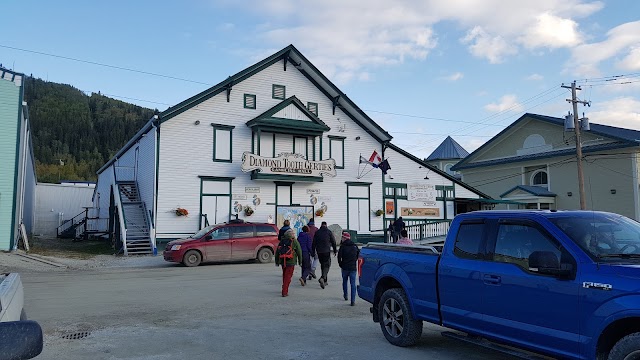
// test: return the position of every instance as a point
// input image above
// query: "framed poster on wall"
(298, 216)
(389, 208)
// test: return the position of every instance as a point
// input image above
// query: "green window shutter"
(249, 101)
(278, 92)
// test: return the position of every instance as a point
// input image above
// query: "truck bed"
(414, 267)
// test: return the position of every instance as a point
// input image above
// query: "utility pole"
(576, 124)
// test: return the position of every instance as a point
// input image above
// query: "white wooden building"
(277, 137)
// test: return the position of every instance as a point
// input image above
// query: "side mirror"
(20, 340)
(208, 237)
(547, 263)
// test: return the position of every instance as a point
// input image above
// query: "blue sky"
(478, 68)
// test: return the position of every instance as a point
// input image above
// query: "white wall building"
(56, 203)
(277, 137)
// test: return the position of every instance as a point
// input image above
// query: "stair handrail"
(150, 228)
(68, 223)
(121, 215)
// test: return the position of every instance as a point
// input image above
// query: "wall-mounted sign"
(389, 208)
(239, 197)
(422, 192)
(252, 189)
(288, 164)
(313, 191)
(325, 198)
(419, 211)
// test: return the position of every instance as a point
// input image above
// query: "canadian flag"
(375, 159)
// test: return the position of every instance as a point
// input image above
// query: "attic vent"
(278, 92)
(313, 107)
(249, 101)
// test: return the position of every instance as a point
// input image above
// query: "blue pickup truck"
(564, 284)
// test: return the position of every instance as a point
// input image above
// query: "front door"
(216, 208)
(359, 212)
(524, 306)
(243, 242)
(218, 245)
(359, 215)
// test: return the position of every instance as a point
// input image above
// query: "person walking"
(398, 226)
(314, 259)
(306, 242)
(347, 259)
(286, 225)
(288, 255)
(323, 241)
(404, 238)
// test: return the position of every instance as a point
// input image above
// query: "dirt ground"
(68, 248)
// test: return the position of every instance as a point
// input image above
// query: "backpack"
(285, 250)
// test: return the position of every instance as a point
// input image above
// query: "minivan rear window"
(266, 230)
(242, 231)
(468, 241)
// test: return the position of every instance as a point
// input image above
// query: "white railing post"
(121, 217)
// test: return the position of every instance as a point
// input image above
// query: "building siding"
(406, 171)
(56, 203)
(186, 153)
(9, 125)
(602, 173)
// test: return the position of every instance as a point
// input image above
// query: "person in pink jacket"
(404, 239)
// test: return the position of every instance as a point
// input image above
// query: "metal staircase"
(138, 241)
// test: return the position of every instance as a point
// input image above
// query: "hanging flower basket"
(320, 212)
(379, 212)
(248, 211)
(181, 212)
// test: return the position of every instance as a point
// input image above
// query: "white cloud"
(632, 61)
(535, 77)
(483, 45)
(551, 31)
(346, 39)
(454, 77)
(507, 103)
(622, 40)
(622, 112)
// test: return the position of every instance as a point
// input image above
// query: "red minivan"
(225, 242)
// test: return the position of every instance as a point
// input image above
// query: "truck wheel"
(265, 256)
(23, 315)
(627, 348)
(396, 321)
(192, 258)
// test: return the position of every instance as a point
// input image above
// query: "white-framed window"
(540, 178)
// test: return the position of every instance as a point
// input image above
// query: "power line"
(105, 65)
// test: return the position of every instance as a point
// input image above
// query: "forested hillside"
(80, 131)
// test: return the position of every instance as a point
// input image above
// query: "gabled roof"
(437, 171)
(292, 59)
(449, 149)
(268, 122)
(624, 138)
(533, 190)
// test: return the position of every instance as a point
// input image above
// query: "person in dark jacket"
(323, 241)
(314, 259)
(285, 226)
(347, 259)
(398, 226)
(288, 265)
(306, 242)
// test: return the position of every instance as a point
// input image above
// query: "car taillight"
(360, 263)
